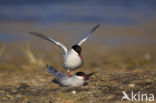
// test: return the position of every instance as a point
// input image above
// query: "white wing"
(49, 39)
(87, 35)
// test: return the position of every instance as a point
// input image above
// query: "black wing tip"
(98, 25)
(31, 32)
(51, 68)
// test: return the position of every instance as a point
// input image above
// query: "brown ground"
(113, 75)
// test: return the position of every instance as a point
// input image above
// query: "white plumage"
(72, 60)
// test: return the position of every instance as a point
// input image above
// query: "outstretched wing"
(87, 35)
(49, 39)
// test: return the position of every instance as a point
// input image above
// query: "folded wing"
(54, 72)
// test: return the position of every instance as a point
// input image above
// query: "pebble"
(74, 92)
(2, 92)
(131, 85)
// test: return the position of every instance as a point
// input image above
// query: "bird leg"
(69, 75)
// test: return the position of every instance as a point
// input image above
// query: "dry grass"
(30, 56)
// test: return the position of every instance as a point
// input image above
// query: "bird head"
(77, 48)
(81, 74)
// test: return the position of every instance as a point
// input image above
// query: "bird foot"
(69, 75)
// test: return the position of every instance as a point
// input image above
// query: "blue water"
(10, 38)
(113, 41)
(102, 11)
(116, 41)
(115, 12)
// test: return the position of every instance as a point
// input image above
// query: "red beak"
(86, 77)
(80, 56)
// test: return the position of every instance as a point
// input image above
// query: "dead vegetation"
(31, 57)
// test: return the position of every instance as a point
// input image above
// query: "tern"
(76, 80)
(72, 57)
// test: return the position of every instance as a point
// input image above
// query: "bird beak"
(85, 77)
(80, 56)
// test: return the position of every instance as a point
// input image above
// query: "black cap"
(80, 74)
(77, 48)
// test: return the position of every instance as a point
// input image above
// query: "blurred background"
(126, 38)
(122, 52)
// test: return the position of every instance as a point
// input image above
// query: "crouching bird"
(75, 80)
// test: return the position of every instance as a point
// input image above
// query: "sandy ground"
(113, 74)
(102, 87)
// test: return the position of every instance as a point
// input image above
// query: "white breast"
(72, 60)
(71, 81)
